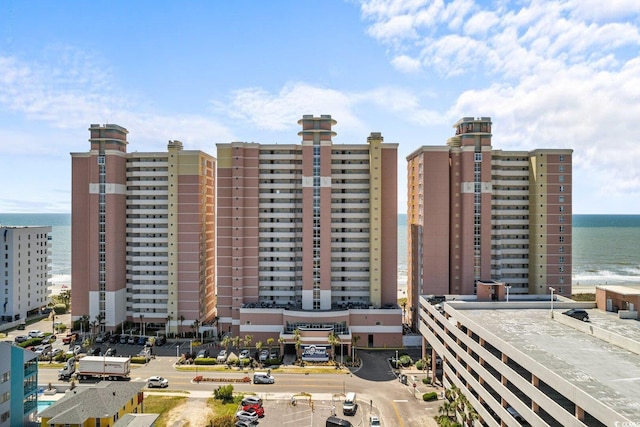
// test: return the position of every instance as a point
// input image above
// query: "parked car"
(514, 414)
(203, 353)
(374, 421)
(115, 338)
(100, 338)
(69, 338)
(36, 334)
(110, 352)
(252, 417)
(43, 349)
(244, 354)
(251, 400)
(22, 326)
(21, 338)
(157, 382)
(577, 314)
(142, 340)
(258, 409)
(161, 340)
(132, 339)
(222, 356)
(240, 423)
(49, 339)
(97, 351)
(264, 355)
(274, 355)
(124, 339)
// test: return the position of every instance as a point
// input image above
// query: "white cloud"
(406, 64)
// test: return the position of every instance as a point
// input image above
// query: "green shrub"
(426, 380)
(205, 361)
(406, 360)
(429, 397)
(59, 309)
(140, 360)
(224, 393)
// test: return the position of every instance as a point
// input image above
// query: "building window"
(561, 189)
(561, 239)
(561, 199)
(478, 157)
(561, 218)
(561, 168)
(561, 158)
(561, 208)
(561, 229)
(561, 260)
(561, 178)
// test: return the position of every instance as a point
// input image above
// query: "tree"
(354, 342)
(270, 342)
(167, 328)
(181, 320)
(196, 326)
(297, 340)
(226, 341)
(259, 348)
(333, 340)
(236, 341)
(247, 341)
(280, 343)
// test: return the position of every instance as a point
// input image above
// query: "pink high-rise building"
(143, 234)
(307, 240)
(486, 222)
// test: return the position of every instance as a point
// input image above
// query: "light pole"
(507, 287)
(396, 359)
(552, 291)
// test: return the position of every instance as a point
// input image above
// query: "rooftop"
(580, 353)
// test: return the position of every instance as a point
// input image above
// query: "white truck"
(68, 370)
(102, 367)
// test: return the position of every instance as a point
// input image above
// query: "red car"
(258, 409)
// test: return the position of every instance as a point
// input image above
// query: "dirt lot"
(193, 413)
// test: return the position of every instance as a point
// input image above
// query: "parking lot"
(280, 411)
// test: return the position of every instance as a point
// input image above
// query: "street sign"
(414, 385)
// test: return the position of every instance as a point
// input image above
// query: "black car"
(114, 339)
(161, 340)
(577, 314)
(97, 351)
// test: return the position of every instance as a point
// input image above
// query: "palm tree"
(196, 326)
(181, 320)
(333, 340)
(280, 342)
(354, 342)
(226, 341)
(236, 341)
(270, 342)
(259, 349)
(167, 325)
(297, 339)
(247, 341)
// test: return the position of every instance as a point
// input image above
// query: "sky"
(550, 74)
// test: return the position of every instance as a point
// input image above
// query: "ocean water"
(606, 248)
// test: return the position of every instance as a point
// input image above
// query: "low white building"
(25, 271)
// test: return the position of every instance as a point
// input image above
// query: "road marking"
(401, 401)
(395, 408)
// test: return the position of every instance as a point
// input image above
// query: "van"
(337, 422)
(263, 378)
(349, 405)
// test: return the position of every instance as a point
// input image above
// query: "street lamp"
(552, 291)
(507, 287)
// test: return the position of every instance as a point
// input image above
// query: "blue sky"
(562, 74)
